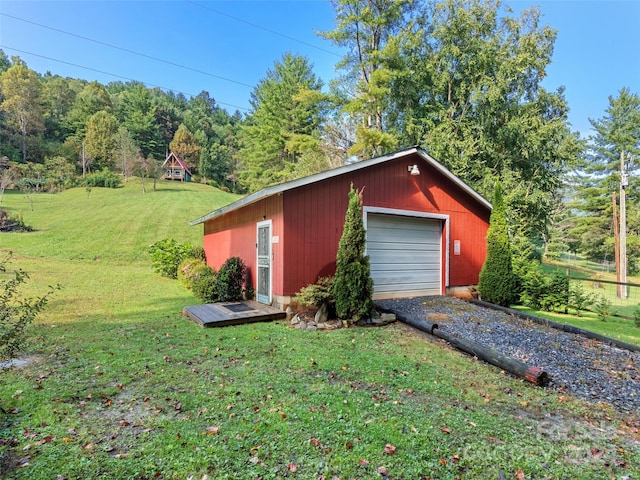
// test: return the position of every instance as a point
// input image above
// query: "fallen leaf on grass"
(445, 430)
(292, 467)
(389, 449)
(363, 463)
(213, 429)
(519, 475)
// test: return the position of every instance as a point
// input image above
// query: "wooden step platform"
(232, 313)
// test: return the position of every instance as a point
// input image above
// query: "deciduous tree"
(184, 145)
(21, 101)
(100, 140)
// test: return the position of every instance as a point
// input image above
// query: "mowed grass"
(121, 386)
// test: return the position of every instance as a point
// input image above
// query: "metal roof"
(283, 187)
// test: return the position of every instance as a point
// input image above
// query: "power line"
(133, 52)
(260, 27)
(114, 75)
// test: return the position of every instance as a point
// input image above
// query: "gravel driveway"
(586, 368)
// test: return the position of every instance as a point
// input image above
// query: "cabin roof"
(283, 187)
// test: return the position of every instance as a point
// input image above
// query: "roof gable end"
(283, 187)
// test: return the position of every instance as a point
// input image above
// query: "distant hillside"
(109, 224)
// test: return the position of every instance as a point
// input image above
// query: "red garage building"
(426, 229)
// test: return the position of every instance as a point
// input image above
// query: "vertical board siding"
(308, 221)
(314, 218)
(234, 235)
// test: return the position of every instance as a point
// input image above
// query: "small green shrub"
(167, 254)
(204, 286)
(317, 294)
(189, 270)
(602, 306)
(231, 280)
(532, 284)
(578, 298)
(17, 312)
(556, 292)
(636, 316)
(104, 178)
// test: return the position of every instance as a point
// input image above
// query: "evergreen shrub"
(497, 282)
(353, 286)
(317, 294)
(231, 280)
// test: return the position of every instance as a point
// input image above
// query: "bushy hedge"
(167, 255)
(229, 284)
(190, 270)
(104, 178)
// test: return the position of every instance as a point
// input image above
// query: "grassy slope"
(123, 387)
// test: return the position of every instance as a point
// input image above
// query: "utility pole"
(616, 242)
(624, 182)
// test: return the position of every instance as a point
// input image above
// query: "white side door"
(263, 244)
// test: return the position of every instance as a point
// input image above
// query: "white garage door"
(405, 255)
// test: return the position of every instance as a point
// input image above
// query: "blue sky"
(228, 46)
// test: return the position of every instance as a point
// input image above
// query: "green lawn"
(121, 386)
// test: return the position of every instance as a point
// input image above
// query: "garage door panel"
(405, 255)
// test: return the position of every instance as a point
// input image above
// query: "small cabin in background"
(176, 169)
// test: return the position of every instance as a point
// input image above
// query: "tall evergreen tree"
(353, 286)
(368, 30)
(284, 122)
(616, 135)
(497, 282)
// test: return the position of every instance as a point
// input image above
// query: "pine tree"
(353, 286)
(497, 282)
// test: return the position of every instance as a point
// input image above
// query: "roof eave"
(276, 189)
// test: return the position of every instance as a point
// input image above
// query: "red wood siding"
(308, 222)
(314, 216)
(234, 235)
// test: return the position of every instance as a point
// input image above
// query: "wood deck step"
(232, 313)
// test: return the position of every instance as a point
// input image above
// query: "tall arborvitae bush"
(497, 282)
(353, 286)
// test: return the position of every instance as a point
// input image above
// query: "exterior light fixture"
(414, 170)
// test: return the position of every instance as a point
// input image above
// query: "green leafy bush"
(167, 254)
(189, 271)
(353, 286)
(231, 280)
(16, 311)
(317, 294)
(204, 286)
(104, 178)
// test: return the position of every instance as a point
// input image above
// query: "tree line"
(461, 78)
